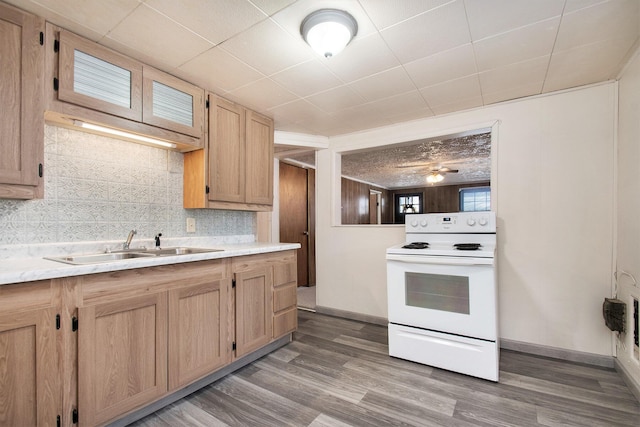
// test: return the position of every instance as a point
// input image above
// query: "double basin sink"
(129, 254)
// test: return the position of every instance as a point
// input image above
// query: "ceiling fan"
(435, 175)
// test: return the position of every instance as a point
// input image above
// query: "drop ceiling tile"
(262, 95)
(605, 21)
(507, 94)
(383, 85)
(98, 15)
(297, 111)
(516, 46)
(515, 75)
(336, 99)
(491, 17)
(573, 5)
(448, 92)
(215, 24)
(307, 78)
(387, 13)
(443, 66)
(392, 106)
(586, 64)
(217, 70)
(429, 33)
(362, 57)
(148, 31)
(271, 6)
(268, 48)
(460, 104)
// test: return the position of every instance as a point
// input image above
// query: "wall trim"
(352, 315)
(631, 382)
(558, 353)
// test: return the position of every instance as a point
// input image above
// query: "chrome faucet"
(126, 244)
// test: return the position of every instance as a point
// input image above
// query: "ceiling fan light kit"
(328, 31)
(434, 177)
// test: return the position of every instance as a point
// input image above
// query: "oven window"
(437, 292)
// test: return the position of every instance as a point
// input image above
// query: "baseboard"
(558, 353)
(631, 382)
(352, 316)
(159, 404)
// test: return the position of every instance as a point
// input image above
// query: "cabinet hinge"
(74, 416)
(56, 45)
(58, 421)
(74, 323)
(55, 84)
(41, 38)
(206, 189)
(57, 321)
(233, 282)
(206, 104)
(233, 346)
(40, 170)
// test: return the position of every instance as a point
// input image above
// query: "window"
(407, 204)
(475, 199)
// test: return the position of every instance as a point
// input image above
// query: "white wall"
(628, 248)
(554, 180)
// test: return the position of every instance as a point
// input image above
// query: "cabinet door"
(259, 159)
(171, 103)
(98, 78)
(226, 151)
(198, 343)
(21, 92)
(122, 356)
(253, 309)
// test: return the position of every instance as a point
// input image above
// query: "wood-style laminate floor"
(337, 372)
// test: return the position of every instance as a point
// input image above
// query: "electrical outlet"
(191, 225)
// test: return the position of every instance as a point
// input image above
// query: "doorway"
(297, 217)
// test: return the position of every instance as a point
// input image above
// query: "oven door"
(454, 295)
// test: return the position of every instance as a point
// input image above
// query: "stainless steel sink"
(130, 254)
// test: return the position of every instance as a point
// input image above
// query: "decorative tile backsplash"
(98, 188)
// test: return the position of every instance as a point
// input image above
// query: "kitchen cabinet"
(122, 356)
(21, 91)
(28, 372)
(253, 309)
(198, 331)
(235, 170)
(95, 84)
(285, 298)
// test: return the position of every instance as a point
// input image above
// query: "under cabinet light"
(123, 134)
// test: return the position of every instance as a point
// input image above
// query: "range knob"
(471, 222)
(414, 223)
(423, 223)
(483, 221)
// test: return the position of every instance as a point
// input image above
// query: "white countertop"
(30, 267)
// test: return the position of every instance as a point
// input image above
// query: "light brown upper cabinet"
(96, 84)
(21, 92)
(235, 170)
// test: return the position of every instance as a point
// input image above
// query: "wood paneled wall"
(439, 198)
(355, 202)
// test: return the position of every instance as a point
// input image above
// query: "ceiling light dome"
(434, 177)
(328, 31)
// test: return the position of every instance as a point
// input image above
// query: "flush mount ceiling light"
(328, 31)
(116, 132)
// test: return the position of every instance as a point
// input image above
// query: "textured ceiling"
(410, 59)
(407, 165)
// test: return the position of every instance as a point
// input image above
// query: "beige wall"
(628, 247)
(555, 245)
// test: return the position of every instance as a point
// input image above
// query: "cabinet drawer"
(285, 322)
(284, 297)
(284, 273)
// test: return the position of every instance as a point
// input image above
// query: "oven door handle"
(418, 259)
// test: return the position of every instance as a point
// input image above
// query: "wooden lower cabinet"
(27, 370)
(122, 356)
(285, 297)
(253, 309)
(198, 331)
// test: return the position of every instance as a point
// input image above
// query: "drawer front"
(284, 273)
(284, 297)
(285, 322)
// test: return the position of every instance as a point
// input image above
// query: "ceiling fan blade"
(447, 170)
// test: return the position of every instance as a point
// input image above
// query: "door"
(254, 314)
(294, 215)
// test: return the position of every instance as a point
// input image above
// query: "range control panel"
(457, 222)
